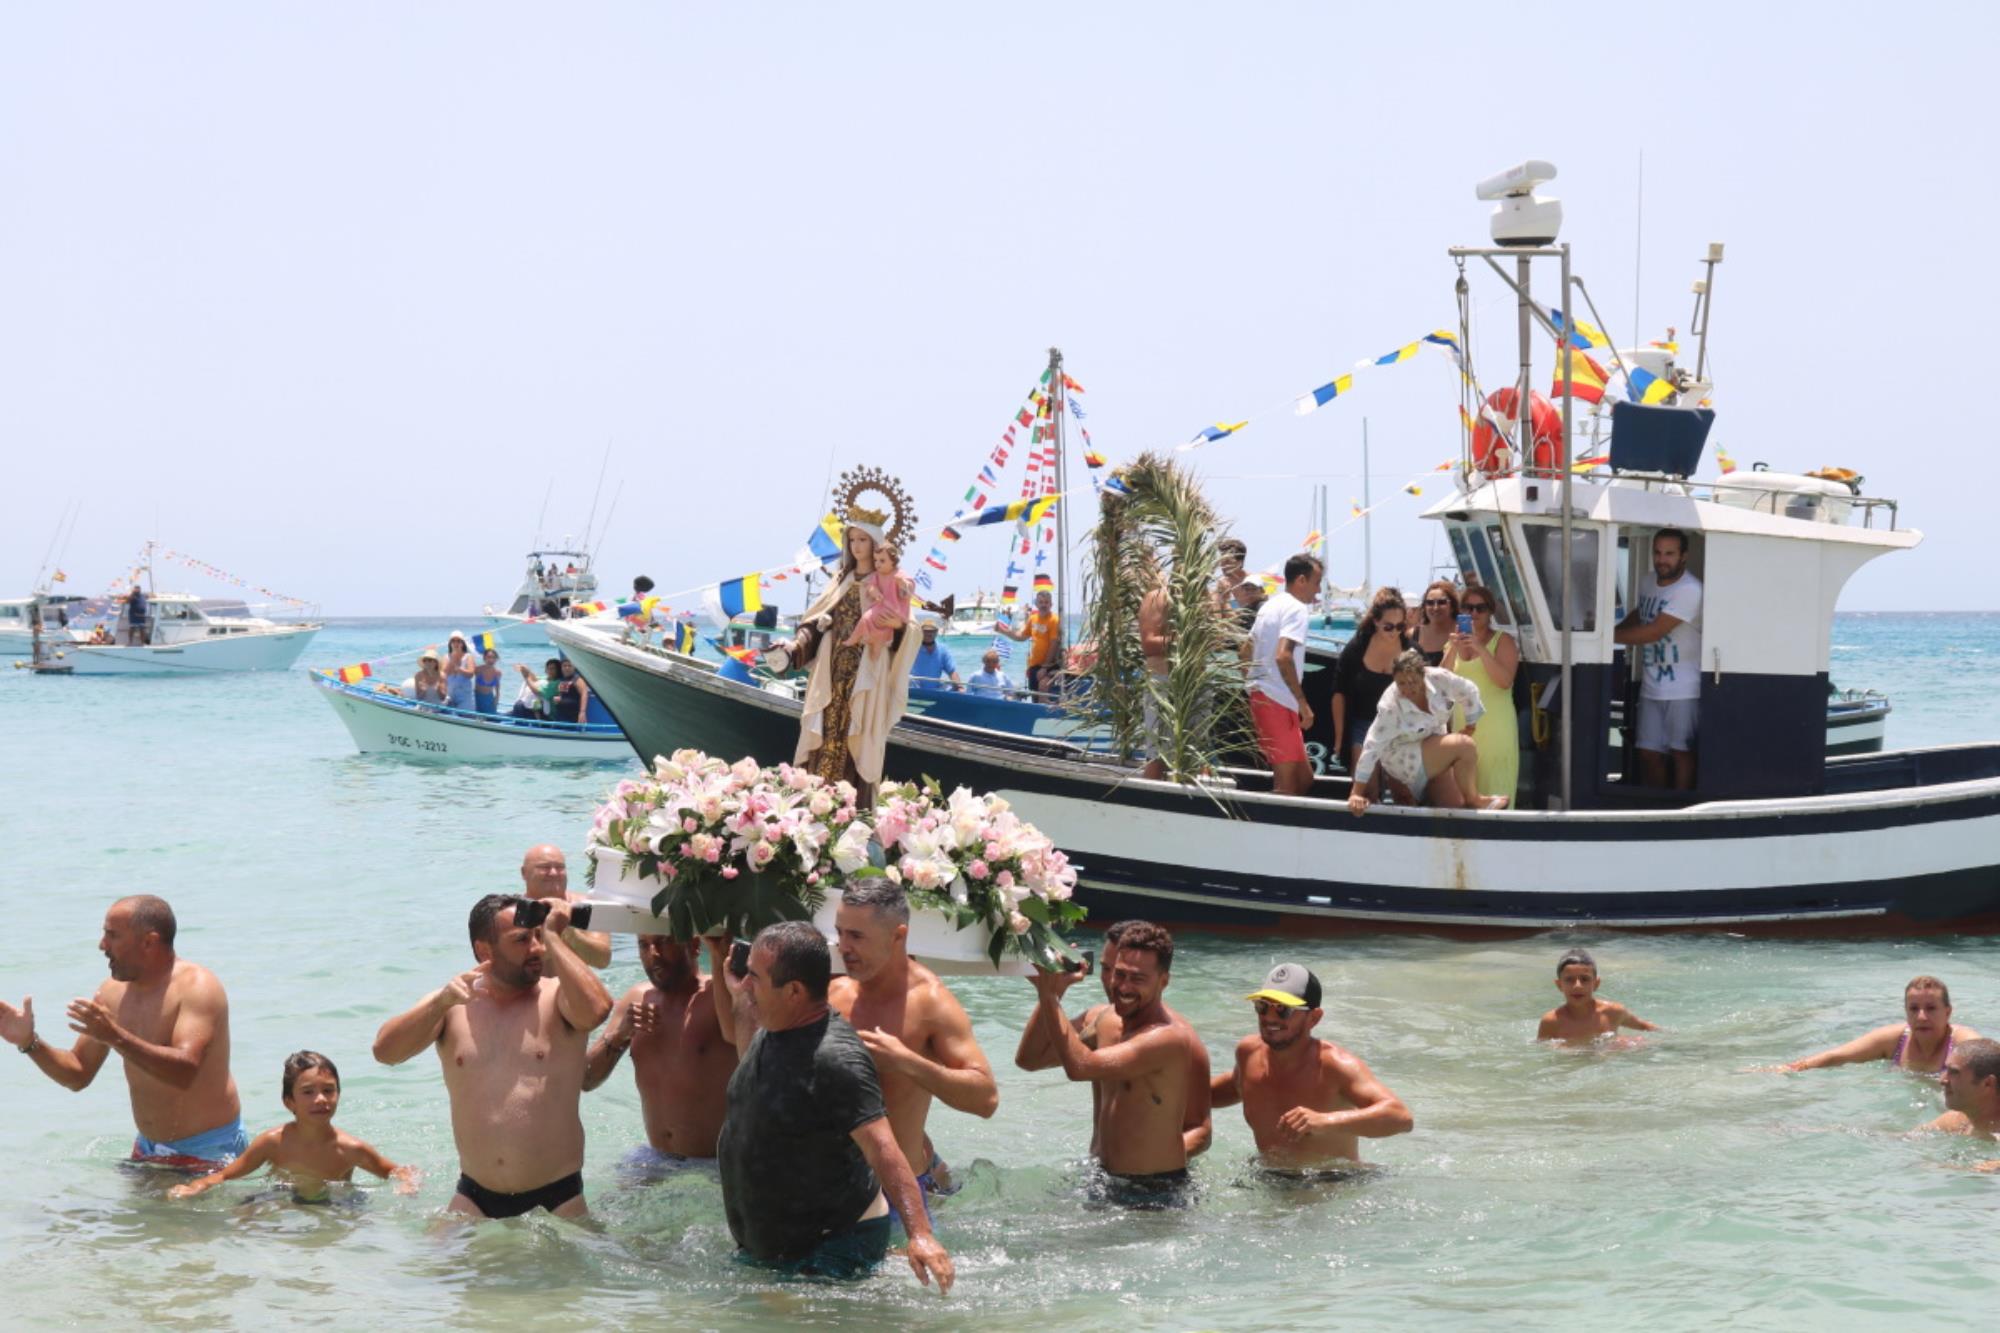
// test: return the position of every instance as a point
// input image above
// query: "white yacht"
(186, 635)
(555, 586)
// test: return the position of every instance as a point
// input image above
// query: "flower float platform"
(705, 847)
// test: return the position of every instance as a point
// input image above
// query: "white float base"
(622, 904)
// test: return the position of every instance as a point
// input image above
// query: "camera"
(530, 913)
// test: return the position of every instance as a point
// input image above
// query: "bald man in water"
(545, 874)
(169, 1020)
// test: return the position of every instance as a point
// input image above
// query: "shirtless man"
(1307, 1101)
(169, 1019)
(511, 1035)
(1922, 1043)
(1971, 1091)
(1099, 1026)
(545, 874)
(1142, 1076)
(680, 1061)
(911, 1024)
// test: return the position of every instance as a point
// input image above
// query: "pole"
(1568, 601)
(1367, 522)
(1062, 489)
(1707, 306)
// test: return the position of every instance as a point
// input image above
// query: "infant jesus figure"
(885, 602)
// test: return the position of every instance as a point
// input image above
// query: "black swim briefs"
(493, 1203)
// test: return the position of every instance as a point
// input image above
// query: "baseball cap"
(1290, 984)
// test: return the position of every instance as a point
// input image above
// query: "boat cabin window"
(1521, 615)
(1488, 565)
(1545, 552)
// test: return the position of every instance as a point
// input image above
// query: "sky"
(338, 297)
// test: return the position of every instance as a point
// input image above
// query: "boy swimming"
(1582, 1018)
(309, 1152)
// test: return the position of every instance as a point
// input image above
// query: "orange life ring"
(1490, 453)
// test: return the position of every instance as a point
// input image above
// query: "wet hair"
(642, 584)
(1982, 1059)
(1409, 662)
(1576, 958)
(1928, 982)
(1676, 534)
(486, 914)
(1300, 565)
(798, 953)
(1232, 546)
(298, 1062)
(879, 895)
(1148, 938)
(1450, 592)
(151, 915)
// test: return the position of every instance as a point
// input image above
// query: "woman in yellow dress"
(1489, 658)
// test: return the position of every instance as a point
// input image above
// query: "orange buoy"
(1490, 453)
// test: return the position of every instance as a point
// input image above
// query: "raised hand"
(93, 1020)
(1053, 985)
(461, 988)
(17, 1026)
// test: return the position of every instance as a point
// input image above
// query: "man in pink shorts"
(1277, 660)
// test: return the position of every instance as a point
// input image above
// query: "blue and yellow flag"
(485, 643)
(1017, 511)
(1327, 392)
(684, 640)
(825, 540)
(1643, 386)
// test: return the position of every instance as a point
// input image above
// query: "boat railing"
(1759, 498)
(532, 725)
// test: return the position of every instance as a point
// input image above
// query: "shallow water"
(1657, 1185)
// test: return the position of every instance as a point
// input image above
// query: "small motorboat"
(384, 723)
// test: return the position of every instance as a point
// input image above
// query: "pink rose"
(993, 851)
(1005, 879)
(977, 870)
(728, 872)
(713, 855)
(688, 825)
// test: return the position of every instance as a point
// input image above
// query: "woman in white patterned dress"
(1411, 740)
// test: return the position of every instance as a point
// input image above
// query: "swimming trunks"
(206, 1151)
(647, 1165)
(493, 1203)
(846, 1255)
(1902, 1044)
(936, 1179)
(1161, 1189)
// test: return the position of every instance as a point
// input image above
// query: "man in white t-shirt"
(1665, 627)
(1277, 661)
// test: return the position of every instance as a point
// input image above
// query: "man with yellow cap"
(1308, 1101)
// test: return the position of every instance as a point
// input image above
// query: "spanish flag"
(589, 608)
(1587, 378)
(354, 675)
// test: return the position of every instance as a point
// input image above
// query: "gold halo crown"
(892, 510)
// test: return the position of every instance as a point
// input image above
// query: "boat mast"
(1062, 489)
(1705, 300)
(1367, 522)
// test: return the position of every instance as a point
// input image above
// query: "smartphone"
(739, 959)
(1464, 624)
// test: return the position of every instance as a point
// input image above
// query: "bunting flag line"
(354, 675)
(1307, 403)
(1723, 460)
(212, 571)
(1015, 511)
(733, 597)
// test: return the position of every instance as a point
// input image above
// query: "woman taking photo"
(1364, 672)
(1489, 658)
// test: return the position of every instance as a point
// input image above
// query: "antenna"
(591, 522)
(542, 517)
(1638, 247)
(609, 514)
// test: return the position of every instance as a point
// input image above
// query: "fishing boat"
(383, 723)
(555, 584)
(61, 622)
(974, 619)
(1773, 834)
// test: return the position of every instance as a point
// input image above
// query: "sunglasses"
(1478, 609)
(1272, 1009)
(1436, 601)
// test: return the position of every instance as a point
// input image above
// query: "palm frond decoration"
(1161, 532)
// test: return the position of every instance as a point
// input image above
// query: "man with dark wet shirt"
(807, 1136)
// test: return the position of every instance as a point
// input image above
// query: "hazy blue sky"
(329, 294)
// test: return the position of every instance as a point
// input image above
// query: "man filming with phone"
(512, 1035)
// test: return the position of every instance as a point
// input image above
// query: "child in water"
(1582, 1018)
(885, 602)
(309, 1152)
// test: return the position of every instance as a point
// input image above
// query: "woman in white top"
(1411, 740)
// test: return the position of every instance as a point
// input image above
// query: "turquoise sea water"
(1660, 1186)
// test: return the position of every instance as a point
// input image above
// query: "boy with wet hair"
(309, 1153)
(1582, 1018)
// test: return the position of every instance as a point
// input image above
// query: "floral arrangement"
(733, 846)
(976, 861)
(736, 847)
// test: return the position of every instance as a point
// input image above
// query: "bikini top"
(1903, 1044)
